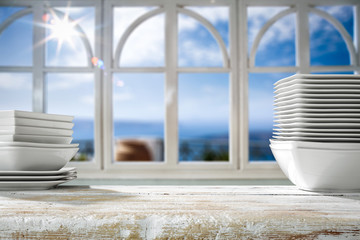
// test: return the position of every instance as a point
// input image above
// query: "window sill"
(194, 212)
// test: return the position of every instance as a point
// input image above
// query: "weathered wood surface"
(178, 212)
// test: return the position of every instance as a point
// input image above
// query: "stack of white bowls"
(317, 131)
(34, 149)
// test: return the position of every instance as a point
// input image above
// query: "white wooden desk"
(178, 212)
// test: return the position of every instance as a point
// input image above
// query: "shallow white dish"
(34, 159)
(317, 134)
(317, 81)
(63, 171)
(35, 123)
(35, 115)
(317, 101)
(318, 115)
(319, 125)
(317, 86)
(318, 120)
(318, 92)
(316, 139)
(37, 178)
(316, 110)
(327, 170)
(6, 130)
(317, 106)
(30, 185)
(333, 97)
(318, 130)
(315, 145)
(37, 145)
(317, 76)
(35, 139)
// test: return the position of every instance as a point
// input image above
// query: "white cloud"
(281, 31)
(212, 14)
(122, 97)
(199, 55)
(145, 46)
(15, 81)
(88, 99)
(68, 81)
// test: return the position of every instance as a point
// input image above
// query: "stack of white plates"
(34, 145)
(317, 130)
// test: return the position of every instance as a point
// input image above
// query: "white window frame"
(240, 65)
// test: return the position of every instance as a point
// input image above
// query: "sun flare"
(62, 28)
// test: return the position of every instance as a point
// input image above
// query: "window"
(169, 89)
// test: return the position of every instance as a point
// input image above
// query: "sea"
(195, 141)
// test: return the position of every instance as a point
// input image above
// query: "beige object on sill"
(132, 150)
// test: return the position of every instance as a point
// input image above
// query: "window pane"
(261, 99)
(204, 117)
(218, 17)
(16, 40)
(196, 45)
(65, 29)
(16, 91)
(145, 45)
(138, 109)
(327, 47)
(73, 94)
(277, 46)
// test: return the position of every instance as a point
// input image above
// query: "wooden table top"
(179, 212)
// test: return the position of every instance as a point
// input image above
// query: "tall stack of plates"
(34, 149)
(317, 131)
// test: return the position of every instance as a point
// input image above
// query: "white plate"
(318, 115)
(317, 86)
(318, 92)
(317, 139)
(35, 139)
(316, 110)
(317, 76)
(312, 134)
(63, 171)
(7, 130)
(316, 101)
(318, 130)
(317, 120)
(317, 96)
(35, 123)
(316, 106)
(34, 159)
(317, 81)
(37, 145)
(319, 125)
(30, 185)
(35, 115)
(37, 178)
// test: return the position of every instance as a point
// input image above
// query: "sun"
(61, 27)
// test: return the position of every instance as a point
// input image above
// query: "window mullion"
(302, 38)
(39, 101)
(171, 85)
(243, 84)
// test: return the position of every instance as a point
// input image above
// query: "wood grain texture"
(179, 212)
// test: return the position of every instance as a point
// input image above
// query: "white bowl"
(319, 169)
(37, 145)
(34, 159)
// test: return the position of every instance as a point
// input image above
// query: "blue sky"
(139, 97)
